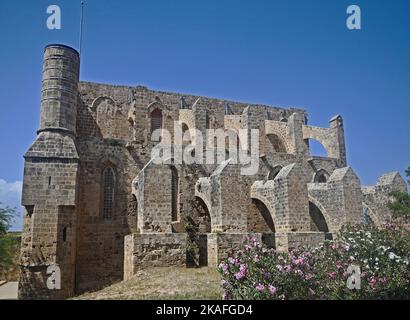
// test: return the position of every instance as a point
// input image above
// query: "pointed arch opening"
(317, 219)
(156, 119)
(259, 218)
(321, 176)
(204, 216)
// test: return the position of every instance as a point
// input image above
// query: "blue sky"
(289, 53)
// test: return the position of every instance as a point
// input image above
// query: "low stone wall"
(289, 240)
(153, 250)
(220, 245)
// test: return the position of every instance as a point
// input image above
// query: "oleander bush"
(382, 255)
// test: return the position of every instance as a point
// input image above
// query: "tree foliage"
(8, 243)
(400, 206)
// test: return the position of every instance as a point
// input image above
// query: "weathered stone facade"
(100, 208)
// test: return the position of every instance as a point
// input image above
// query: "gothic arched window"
(108, 193)
(156, 120)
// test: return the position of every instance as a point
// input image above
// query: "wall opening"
(108, 193)
(316, 148)
(317, 220)
(156, 120)
(29, 210)
(174, 194)
(259, 218)
(273, 172)
(204, 215)
(277, 143)
(321, 176)
(64, 234)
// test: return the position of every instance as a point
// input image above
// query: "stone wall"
(153, 250)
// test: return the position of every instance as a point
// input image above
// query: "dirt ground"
(164, 283)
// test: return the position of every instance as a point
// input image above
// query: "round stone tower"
(59, 89)
(50, 188)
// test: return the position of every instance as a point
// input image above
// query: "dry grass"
(168, 283)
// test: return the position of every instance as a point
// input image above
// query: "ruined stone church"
(99, 208)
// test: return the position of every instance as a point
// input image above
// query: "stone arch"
(323, 136)
(320, 220)
(205, 222)
(201, 196)
(321, 176)
(368, 213)
(111, 121)
(97, 101)
(277, 135)
(269, 206)
(318, 143)
(156, 105)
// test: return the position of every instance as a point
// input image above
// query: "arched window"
(321, 176)
(156, 120)
(108, 193)
(174, 193)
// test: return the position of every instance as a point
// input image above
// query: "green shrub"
(322, 273)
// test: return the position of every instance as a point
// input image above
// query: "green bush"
(322, 273)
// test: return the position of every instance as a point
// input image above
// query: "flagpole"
(81, 27)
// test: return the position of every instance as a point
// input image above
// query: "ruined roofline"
(193, 96)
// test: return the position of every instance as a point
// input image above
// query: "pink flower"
(299, 261)
(373, 282)
(309, 276)
(260, 287)
(224, 267)
(243, 270)
(272, 289)
(332, 274)
(287, 268)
